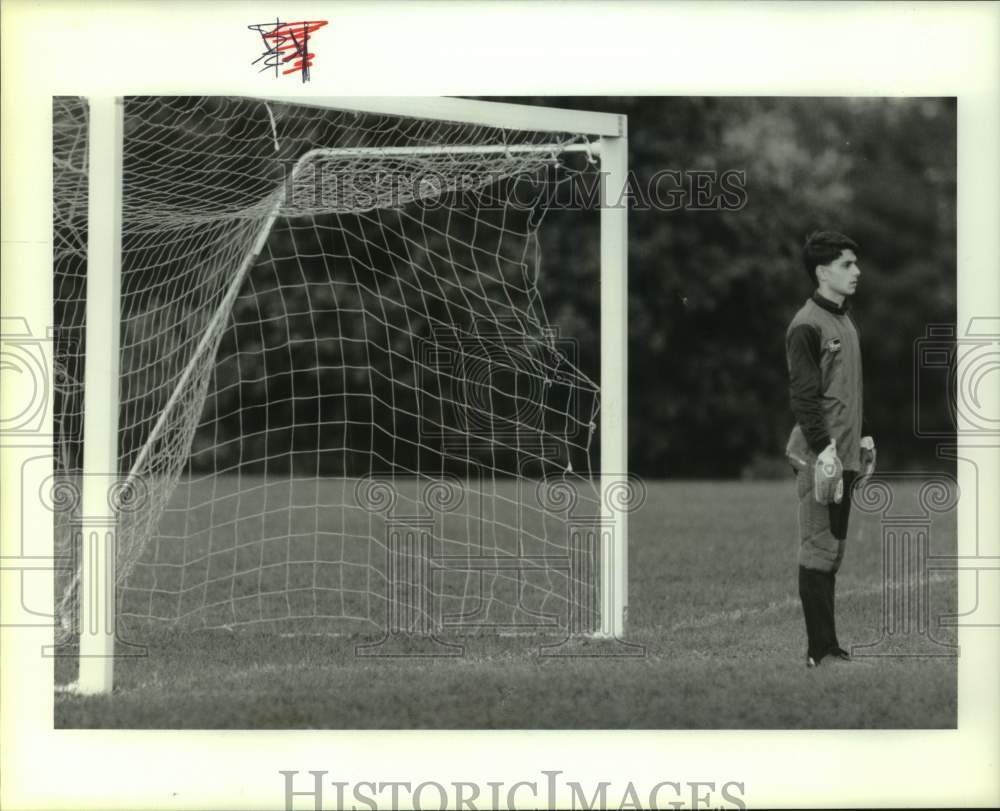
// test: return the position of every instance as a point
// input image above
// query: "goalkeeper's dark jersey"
(824, 369)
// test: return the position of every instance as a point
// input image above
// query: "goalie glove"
(867, 456)
(828, 476)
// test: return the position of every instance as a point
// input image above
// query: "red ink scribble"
(287, 42)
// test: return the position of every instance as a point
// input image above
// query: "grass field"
(712, 598)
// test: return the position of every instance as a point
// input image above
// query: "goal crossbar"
(471, 111)
(591, 148)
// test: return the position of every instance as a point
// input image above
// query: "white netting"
(385, 354)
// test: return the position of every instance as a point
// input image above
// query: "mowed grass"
(712, 599)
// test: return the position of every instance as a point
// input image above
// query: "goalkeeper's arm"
(805, 385)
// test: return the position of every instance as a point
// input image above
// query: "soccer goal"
(306, 377)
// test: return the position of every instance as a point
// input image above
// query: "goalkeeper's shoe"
(828, 476)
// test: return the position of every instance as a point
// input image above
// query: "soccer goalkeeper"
(828, 447)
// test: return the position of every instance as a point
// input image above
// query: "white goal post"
(605, 142)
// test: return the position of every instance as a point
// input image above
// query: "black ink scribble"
(284, 43)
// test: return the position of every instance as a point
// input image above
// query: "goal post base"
(403, 644)
(596, 646)
(70, 689)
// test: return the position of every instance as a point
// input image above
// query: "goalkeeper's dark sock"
(829, 590)
(813, 597)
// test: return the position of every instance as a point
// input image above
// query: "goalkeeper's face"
(842, 274)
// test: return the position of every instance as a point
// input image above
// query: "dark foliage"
(711, 291)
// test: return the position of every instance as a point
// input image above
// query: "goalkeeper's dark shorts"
(822, 527)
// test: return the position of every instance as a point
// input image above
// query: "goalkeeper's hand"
(828, 476)
(867, 456)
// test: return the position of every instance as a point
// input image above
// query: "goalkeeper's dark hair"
(822, 247)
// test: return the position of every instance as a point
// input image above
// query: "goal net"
(342, 403)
